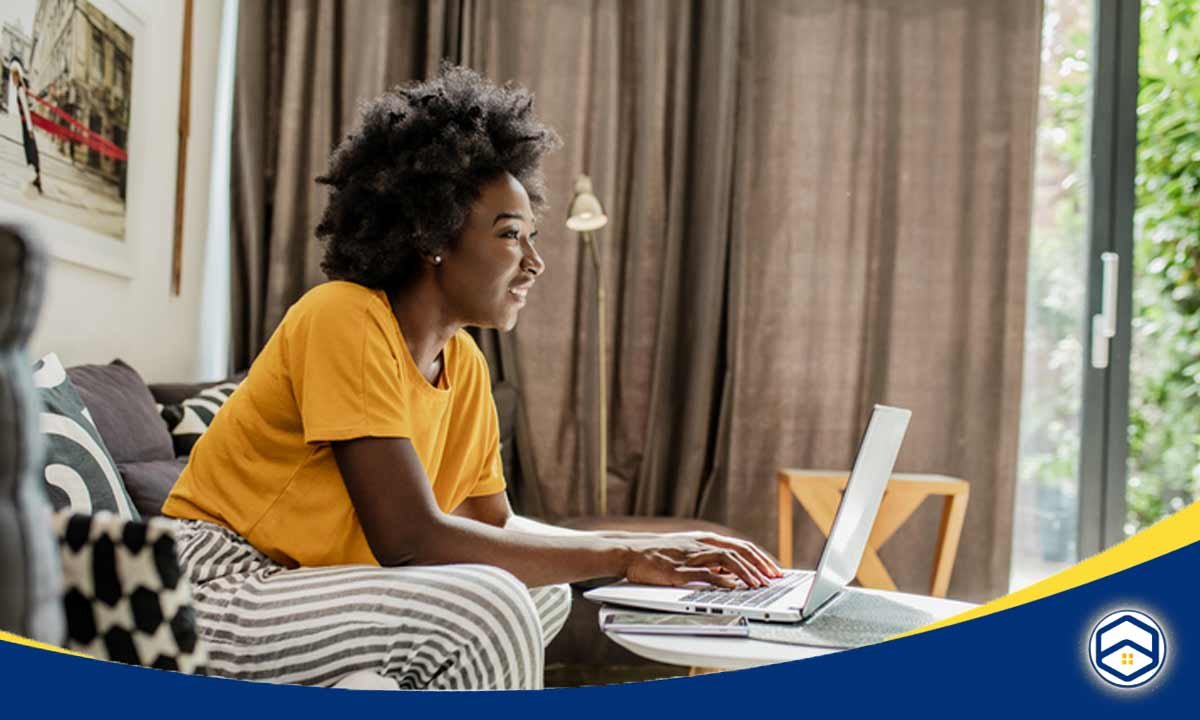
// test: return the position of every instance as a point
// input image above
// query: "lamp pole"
(601, 392)
(587, 215)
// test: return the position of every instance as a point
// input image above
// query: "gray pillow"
(79, 471)
(30, 578)
(149, 483)
(123, 409)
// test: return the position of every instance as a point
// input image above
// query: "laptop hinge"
(820, 608)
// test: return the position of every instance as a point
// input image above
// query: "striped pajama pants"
(450, 627)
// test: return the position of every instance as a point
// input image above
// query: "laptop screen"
(860, 503)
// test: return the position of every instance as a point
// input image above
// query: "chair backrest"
(30, 574)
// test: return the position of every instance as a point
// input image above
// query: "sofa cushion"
(78, 469)
(29, 575)
(149, 483)
(125, 596)
(123, 410)
(188, 419)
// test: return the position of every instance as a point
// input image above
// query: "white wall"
(90, 316)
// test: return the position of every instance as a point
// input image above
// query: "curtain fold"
(303, 67)
(813, 207)
(882, 257)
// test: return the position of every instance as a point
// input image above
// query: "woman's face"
(487, 272)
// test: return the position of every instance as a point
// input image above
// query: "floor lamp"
(586, 216)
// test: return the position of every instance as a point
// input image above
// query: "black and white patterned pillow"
(125, 597)
(79, 471)
(188, 420)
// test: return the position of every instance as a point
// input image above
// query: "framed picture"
(69, 123)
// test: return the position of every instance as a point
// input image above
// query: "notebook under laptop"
(800, 593)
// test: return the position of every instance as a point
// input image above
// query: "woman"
(346, 509)
(19, 89)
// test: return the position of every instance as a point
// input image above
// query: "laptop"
(800, 594)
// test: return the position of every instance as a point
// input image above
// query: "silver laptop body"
(800, 593)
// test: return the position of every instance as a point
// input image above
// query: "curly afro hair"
(403, 183)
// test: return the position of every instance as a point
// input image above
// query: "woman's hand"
(680, 558)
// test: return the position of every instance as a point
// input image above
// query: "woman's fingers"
(750, 551)
(714, 559)
(731, 561)
(768, 565)
(687, 574)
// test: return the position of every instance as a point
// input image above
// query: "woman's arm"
(491, 509)
(495, 510)
(524, 524)
(403, 525)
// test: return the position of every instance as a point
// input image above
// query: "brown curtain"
(628, 86)
(302, 68)
(815, 206)
(880, 234)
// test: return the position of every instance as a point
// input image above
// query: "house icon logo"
(1127, 648)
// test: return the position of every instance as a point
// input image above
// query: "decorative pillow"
(188, 420)
(149, 483)
(124, 411)
(79, 471)
(124, 594)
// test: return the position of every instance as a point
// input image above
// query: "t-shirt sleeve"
(491, 477)
(491, 480)
(345, 375)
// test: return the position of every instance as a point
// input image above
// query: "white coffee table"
(723, 653)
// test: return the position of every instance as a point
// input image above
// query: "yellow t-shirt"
(336, 368)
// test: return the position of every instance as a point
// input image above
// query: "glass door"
(1070, 499)
(1046, 521)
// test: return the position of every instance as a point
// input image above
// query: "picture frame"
(80, 166)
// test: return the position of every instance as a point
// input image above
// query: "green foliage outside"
(1164, 437)
(1164, 432)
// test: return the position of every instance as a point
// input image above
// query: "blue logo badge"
(1127, 648)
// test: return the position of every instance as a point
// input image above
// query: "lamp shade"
(585, 213)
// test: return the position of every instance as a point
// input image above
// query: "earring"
(437, 259)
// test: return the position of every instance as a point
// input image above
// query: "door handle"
(1104, 323)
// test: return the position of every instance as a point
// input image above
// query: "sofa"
(129, 415)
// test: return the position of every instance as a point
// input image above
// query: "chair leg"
(954, 511)
(784, 506)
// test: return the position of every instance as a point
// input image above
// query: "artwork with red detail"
(65, 95)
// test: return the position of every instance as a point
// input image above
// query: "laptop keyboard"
(757, 597)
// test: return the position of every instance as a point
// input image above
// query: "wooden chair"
(819, 492)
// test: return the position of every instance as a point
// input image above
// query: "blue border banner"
(1031, 660)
